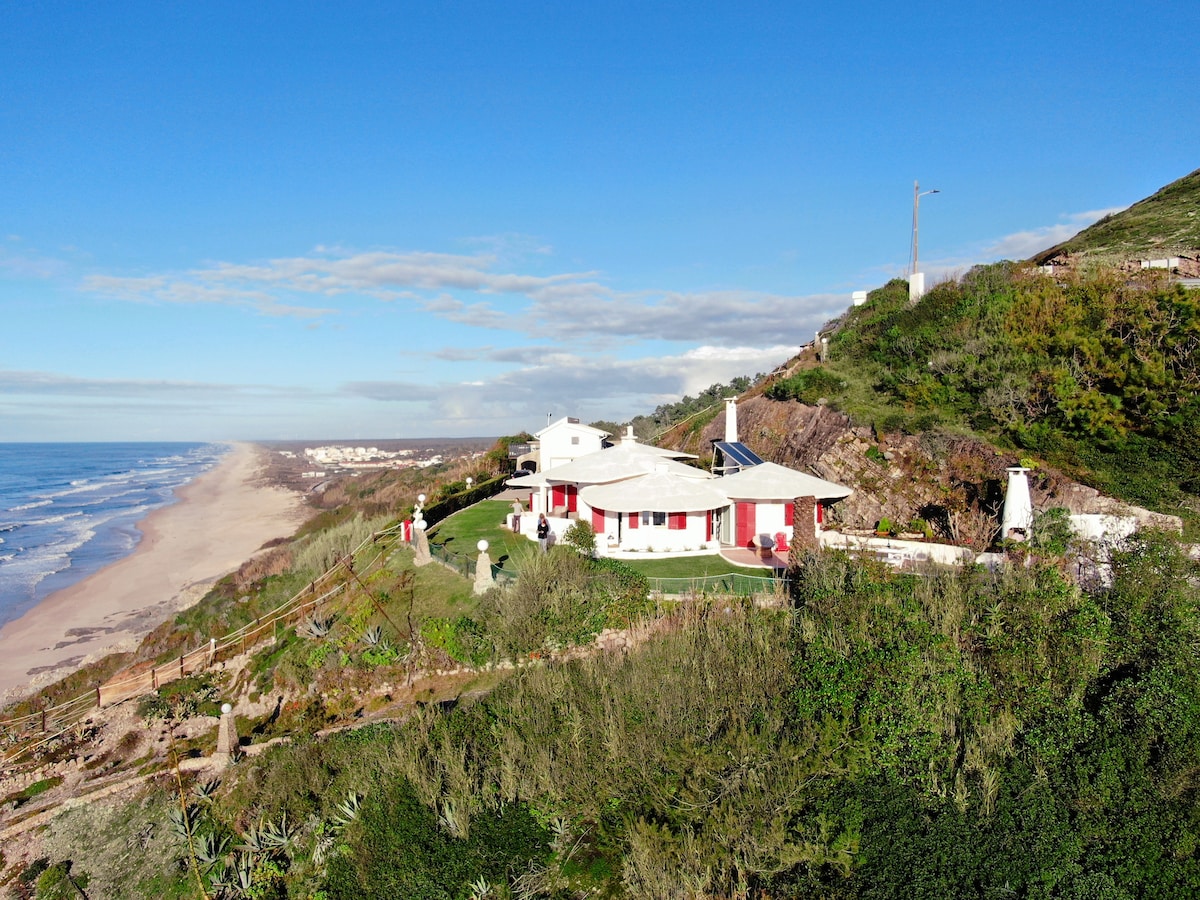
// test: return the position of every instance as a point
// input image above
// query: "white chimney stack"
(731, 434)
(1018, 506)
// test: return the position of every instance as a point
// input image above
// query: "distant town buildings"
(329, 459)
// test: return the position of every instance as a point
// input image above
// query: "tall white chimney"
(731, 420)
(1018, 506)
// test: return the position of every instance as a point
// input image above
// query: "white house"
(560, 442)
(639, 498)
(761, 503)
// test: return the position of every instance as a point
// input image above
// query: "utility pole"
(916, 279)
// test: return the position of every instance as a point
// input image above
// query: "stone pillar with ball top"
(227, 736)
(483, 570)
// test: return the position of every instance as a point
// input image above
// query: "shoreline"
(217, 522)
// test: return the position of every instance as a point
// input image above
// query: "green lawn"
(463, 530)
(692, 567)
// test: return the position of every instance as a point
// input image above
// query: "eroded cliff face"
(954, 482)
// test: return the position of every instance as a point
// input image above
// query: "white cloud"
(1017, 245)
(1023, 244)
(590, 387)
(469, 290)
(162, 289)
(17, 383)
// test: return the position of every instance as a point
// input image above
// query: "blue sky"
(316, 220)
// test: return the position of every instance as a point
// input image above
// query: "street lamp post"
(916, 281)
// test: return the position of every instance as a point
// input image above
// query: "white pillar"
(916, 286)
(227, 737)
(483, 570)
(1018, 505)
(421, 554)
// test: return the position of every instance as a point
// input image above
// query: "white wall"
(557, 446)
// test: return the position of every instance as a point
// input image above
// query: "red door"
(558, 496)
(572, 498)
(708, 523)
(746, 525)
(597, 520)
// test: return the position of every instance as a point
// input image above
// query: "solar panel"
(737, 453)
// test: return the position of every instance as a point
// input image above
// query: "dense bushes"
(1096, 373)
(562, 598)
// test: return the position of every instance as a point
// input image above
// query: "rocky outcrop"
(941, 477)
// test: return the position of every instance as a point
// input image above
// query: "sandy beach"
(218, 522)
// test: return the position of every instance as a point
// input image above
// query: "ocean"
(68, 510)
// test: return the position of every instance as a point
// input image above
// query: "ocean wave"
(55, 520)
(35, 505)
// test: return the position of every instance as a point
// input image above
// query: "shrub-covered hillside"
(1095, 373)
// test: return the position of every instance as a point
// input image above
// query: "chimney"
(731, 420)
(1018, 506)
(628, 437)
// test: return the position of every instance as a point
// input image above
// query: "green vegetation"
(462, 531)
(692, 567)
(1097, 374)
(962, 735)
(704, 407)
(23, 796)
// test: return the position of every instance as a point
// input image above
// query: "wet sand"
(219, 521)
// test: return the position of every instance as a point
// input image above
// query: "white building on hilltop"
(640, 498)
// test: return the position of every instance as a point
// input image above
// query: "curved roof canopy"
(659, 491)
(771, 481)
(618, 463)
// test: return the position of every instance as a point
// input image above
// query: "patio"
(753, 559)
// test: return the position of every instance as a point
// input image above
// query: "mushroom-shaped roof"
(771, 481)
(618, 463)
(527, 480)
(660, 491)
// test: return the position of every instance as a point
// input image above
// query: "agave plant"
(373, 636)
(183, 821)
(480, 889)
(347, 810)
(211, 849)
(276, 836)
(317, 627)
(450, 818)
(206, 791)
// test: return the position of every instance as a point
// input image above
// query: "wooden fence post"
(154, 678)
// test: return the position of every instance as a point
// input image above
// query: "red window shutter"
(597, 520)
(677, 521)
(633, 519)
(572, 498)
(789, 514)
(820, 513)
(708, 524)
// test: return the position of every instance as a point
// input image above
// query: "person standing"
(543, 532)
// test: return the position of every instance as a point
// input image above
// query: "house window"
(654, 519)
(575, 439)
